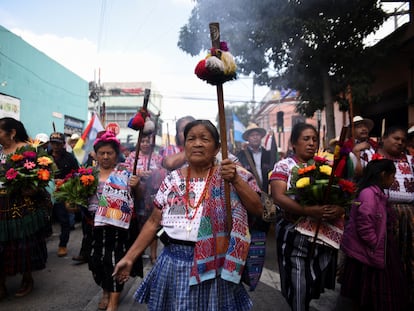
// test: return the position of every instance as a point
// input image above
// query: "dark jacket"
(66, 162)
(265, 164)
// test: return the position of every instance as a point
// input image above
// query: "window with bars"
(122, 118)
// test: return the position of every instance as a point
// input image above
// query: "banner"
(85, 144)
(239, 129)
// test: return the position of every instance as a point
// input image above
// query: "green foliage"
(313, 46)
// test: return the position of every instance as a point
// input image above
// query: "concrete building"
(39, 91)
(118, 102)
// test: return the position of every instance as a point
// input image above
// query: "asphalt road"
(67, 286)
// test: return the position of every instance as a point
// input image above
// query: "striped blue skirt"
(166, 286)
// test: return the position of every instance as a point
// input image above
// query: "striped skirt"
(404, 231)
(166, 286)
(303, 278)
(109, 245)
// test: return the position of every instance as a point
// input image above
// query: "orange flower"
(306, 169)
(87, 180)
(59, 182)
(16, 157)
(43, 174)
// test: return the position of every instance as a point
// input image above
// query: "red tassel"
(138, 121)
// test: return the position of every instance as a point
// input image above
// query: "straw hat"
(75, 136)
(368, 122)
(251, 128)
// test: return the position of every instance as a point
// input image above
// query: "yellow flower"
(44, 161)
(325, 169)
(303, 182)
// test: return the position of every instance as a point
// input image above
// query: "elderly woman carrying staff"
(200, 268)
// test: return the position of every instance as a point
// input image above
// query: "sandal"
(103, 303)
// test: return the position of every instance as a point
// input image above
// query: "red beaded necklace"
(187, 192)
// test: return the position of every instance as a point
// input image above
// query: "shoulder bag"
(269, 207)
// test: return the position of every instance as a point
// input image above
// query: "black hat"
(57, 138)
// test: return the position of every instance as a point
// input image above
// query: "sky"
(126, 41)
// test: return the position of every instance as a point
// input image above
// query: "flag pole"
(215, 42)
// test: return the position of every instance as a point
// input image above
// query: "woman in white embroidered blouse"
(401, 197)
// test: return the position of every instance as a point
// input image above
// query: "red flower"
(347, 185)
(319, 159)
(377, 156)
(11, 174)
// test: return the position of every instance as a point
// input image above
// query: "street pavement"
(66, 286)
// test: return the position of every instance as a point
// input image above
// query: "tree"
(313, 46)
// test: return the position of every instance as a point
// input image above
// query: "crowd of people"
(206, 209)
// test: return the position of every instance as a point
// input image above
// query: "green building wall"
(48, 92)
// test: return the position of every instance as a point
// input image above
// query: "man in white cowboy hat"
(259, 157)
(362, 147)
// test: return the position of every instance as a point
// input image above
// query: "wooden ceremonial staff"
(215, 43)
(348, 96)
(138, 146)
(329, 185)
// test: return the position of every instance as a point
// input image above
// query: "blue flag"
(239, 129)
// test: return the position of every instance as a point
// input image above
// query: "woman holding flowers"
(24, 204)
(115, 224)
(302, 262)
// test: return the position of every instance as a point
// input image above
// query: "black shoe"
(79, 259)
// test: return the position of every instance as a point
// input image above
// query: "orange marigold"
(87, 180)
(306, 169)
(16, 157)
(43, 174)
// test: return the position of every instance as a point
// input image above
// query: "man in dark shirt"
(65, 163)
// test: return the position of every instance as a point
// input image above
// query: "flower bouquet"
(314, 184)
(76, 188)
(27, 170)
